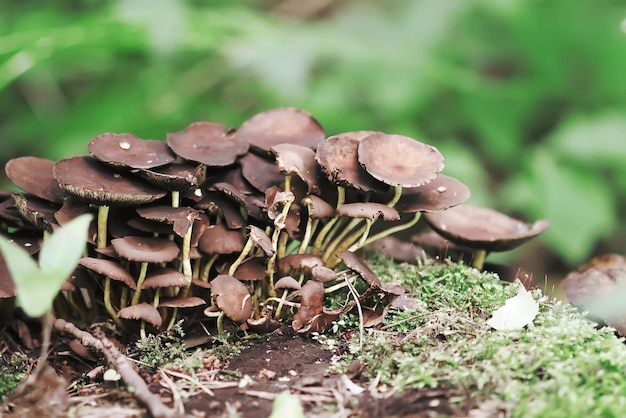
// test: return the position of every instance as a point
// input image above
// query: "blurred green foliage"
(526, 99)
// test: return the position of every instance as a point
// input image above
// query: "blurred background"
(525, 98)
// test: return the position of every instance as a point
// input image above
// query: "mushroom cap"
(278, 126)
(142, 311)
(216, 202)
(398, 160)
(263, 325)
(90, 180)
(182, 302)
(262, 173)
(399, 250)
(368, 210)
(312, 298)
(597, 278)
(232, 297)
(287, 282)
(36, 211)
(218, 239)
(146, 249)
(483, 228)
(175, 176)
(165, 277)
(323, 274)
(299, 261)
(127, 150)
(34, 175)
(442, 193)
(182, 218)
(359, 266)
(298, 160)
(261, 240)
(109, 268)
(318, 207)
(252, 269)
(338, 159)
(207, 143)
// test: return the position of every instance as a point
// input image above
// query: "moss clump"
(12, 372)
(560, 366)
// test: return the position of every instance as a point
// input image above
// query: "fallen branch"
(120, 363)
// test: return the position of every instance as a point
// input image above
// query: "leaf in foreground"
(517, 312)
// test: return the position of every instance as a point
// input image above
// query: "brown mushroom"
(34, 175)
(232, 297)
(128, 151)
(279, 126)
(483, 229)
(207, 143)
(144, 312)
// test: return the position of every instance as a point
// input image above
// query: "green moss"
(12, 372)
(559, 366)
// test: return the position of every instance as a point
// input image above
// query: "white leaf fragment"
(517, 312)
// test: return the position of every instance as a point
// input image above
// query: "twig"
(123, 366)
(355, 295)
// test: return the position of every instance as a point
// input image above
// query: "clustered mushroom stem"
(279, 308)
(479, 259)
(103, 215)
(393, 230)
(107, 303)
(332, 261)
(244, 253)
(336, 240)
(207, 267)
(175, 198)
(286, 302)
(187, 272)
(283, 238)
(359, 244)
(172, 319)
(341, 285)
(142, 276)
(397, 193)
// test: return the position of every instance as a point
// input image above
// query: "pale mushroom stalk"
(352, 279)
(393, 230)
(244, 253)
(175, 198)
(187, 271)
(108, 305)
(478, 260)
(336, 241)
(220, 320)
(103, 215)
(319, 240)
(142, 276)
(331, 260)
(397, 193)
(207, 267)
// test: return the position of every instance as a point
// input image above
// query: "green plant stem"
(46, 329)
(108, 305)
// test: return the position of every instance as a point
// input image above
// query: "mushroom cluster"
(251, 224)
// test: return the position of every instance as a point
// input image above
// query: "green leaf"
(23, 271)
(37, 287)
(578, 203)
(595, 141)
(60, 253)
(287, 405)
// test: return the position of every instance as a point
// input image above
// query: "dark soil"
(245, 387)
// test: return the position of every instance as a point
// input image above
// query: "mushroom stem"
(103, 215)
(107, 303)
(397, 192)
(479, 259)
(340, 285)
(244, 253)
(286, 302)
(336, 241)
(390, 231)
(175, 198)
(142, 276)
(185, 256)
(207, 267)
(331, 261)
(366, 232)
(321, 236)
(279, 308)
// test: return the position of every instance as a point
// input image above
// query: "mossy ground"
(559, 366)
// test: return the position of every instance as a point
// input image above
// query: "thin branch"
(123, 366)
